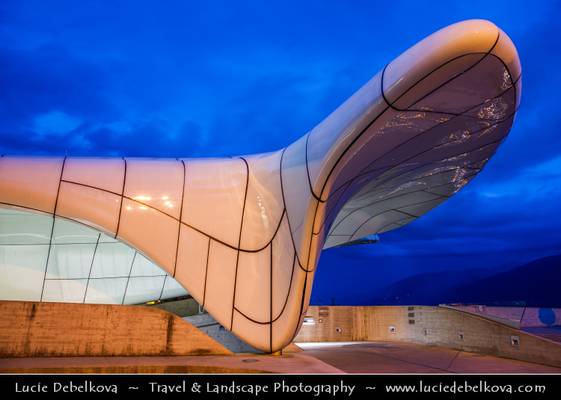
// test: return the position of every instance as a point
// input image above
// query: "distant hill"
(537, 283)
(428, 288)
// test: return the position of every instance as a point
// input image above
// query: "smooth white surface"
(215, 192)
(151, 231)
(103, 173)
(253, 289)
(264, 205)
(192, 261)
(89, 205)
(30, 182)
(284, 268)
(220, 283)
(298, 197)
(156, 183)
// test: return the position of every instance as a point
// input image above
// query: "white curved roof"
(243, 235)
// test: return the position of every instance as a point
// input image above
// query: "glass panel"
(144, 267)
(24, 246)
(144, 289)
(22, 269)
(67, 291)
(19, 227)
(70, 261)
(112, 260)
(106, 291)
(107, 239)
(66, 231)
(172, 289)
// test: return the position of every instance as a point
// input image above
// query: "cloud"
(539, 182)
(54, 123)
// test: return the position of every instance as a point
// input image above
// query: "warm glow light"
(142, 208)
(168, 204)
(129, 208)
(165, 197)
(142, 197)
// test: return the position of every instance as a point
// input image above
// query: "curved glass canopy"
(79, 264)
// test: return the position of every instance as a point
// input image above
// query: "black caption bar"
(280, 386)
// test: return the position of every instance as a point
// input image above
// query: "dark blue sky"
(182, 79)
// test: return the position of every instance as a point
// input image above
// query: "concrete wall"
(428, 325)
(32, 329)
(523, 317)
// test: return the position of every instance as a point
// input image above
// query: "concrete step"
(208, 325)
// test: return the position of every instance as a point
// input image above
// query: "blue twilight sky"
(214, 78)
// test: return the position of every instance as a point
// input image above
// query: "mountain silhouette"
(537, 284)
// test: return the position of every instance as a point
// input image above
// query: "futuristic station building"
(243, 235)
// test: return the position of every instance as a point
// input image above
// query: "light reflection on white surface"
(142, 197)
